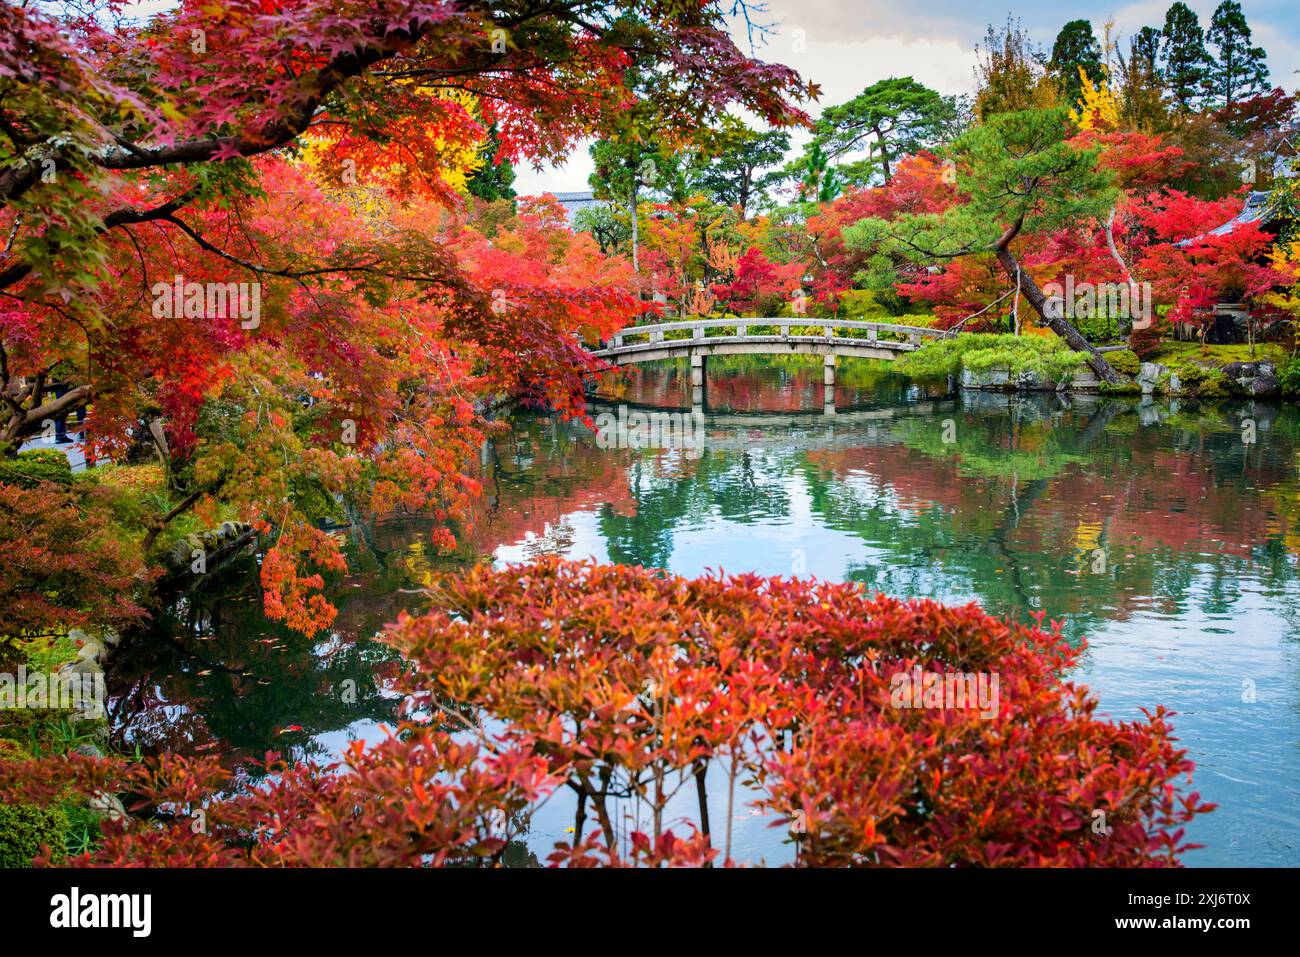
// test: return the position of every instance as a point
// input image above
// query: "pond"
(1166, 533)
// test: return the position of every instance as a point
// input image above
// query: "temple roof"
(573, 202)
(1255, 211)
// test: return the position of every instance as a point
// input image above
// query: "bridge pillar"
(828, 385)
(697, 382)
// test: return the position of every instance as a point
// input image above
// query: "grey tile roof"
(572, 202)
(1255, 211)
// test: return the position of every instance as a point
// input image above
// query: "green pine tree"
(494, 180)
(1076, 48)
(1145, 50)
(1184, 60)
(1241, 70)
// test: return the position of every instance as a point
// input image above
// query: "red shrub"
(620, 681)
(1145, 343)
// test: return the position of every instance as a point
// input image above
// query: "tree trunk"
(702, 795)
(1114, 249)
(1058, 324)
(884, 155)
(23, 423)
(635, 266)
(580, 818)
(159, 436)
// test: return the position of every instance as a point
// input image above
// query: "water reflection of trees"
(1013, 509)
(1089, 509)
(765, 383)
(215, 674)
(1083, 511)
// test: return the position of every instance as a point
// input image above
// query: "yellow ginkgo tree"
(1097, 108)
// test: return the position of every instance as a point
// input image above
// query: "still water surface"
(1149, 527)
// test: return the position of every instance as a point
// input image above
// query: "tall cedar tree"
(1184, 60)
(1076, 48)
(1241, 69)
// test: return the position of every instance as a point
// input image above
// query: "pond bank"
(1208, 372)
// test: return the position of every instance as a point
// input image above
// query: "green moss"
(1121, 388)
(43, 655)
(35, 466)
(1199, 367)
(1212, 384)
(1181, 356)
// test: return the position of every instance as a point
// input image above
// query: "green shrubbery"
(872, 305)
(1100, 328)
(35, 466)
(1288, 375)
(1047, 357)
(24, 828)
(1213, 384)
(1125, 361)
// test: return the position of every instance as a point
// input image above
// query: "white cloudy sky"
(849, 44)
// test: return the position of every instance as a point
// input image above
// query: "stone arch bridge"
(700, 338)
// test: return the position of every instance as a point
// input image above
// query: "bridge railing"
(698, 329)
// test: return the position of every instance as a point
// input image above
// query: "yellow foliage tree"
(1098, 109)
(1286, 260)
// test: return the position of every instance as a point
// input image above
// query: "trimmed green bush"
(24, 828)
(1288, 375)
(1047, 357)
(1124, 361)
(35, 466)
